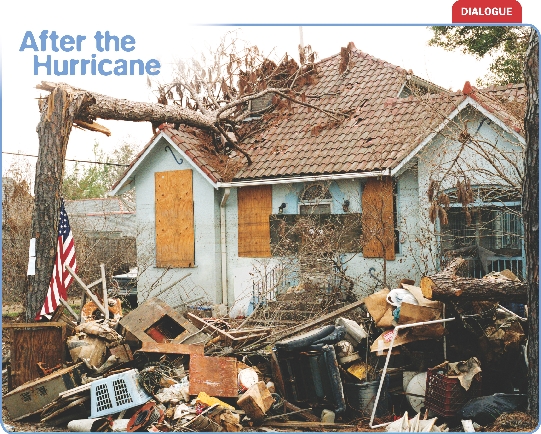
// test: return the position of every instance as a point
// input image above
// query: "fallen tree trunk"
(446, 286)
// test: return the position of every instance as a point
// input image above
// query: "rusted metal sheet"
(156, 321)
(216, 376)
(31, 397)
(173, 348)
(33, 343)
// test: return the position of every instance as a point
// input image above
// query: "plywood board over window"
(378, 218)
(174, 219)
(254, 207)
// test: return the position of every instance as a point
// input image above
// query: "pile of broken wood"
(157, 368)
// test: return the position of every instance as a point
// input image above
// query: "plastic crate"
(445, 396)
(116, 393)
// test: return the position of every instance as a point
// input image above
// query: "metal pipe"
(395, 333)
(227, 192)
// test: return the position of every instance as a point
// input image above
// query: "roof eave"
(126, 182)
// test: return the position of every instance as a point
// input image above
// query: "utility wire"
(68, 159)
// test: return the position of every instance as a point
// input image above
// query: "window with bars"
(498, 230)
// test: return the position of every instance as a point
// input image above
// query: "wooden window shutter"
(254, 207)
(378, 218)
(175, 245)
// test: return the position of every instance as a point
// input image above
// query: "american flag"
(65, 255)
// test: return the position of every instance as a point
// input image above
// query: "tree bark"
(54, 128)
(530, 209)
(106, 107)
(65, 106)
(446, 286)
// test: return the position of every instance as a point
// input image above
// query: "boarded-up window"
(378, 218)
(255, 207)
(174, 219)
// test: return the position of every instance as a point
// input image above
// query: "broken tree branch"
(446, 286)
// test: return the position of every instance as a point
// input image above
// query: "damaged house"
(408, 176)
(322, 275)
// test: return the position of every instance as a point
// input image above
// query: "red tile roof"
(508, 93)
(380, 129)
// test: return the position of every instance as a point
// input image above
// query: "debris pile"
(351, 366)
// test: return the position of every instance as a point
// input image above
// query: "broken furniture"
(31, 397)
(231, 337)
(156, 321)
(34, 343)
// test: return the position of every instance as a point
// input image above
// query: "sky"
(395, 31)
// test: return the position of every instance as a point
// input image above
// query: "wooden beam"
(310, 426)
(88, 291)
(172, 348)
(321, 320)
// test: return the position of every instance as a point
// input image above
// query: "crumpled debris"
(465, 371)
(98, 328)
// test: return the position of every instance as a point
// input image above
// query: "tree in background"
(95, 180)
(507, 44)
(17, 206)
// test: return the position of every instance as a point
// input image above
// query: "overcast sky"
(168, 32)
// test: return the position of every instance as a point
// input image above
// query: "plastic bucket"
(362, 396)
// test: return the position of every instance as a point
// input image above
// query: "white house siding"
(243, 272)
(204, 280)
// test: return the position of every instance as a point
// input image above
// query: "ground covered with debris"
(310, 360)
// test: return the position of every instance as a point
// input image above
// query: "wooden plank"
(33, 343)
(87, 290)
(227, 338)
(175, 246)
(165, 348)
(310, 426)
(321, 320)
(254, 209)
(378, 218)
(216, 376)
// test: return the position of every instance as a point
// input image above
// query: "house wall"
(243, 272)
(204, 277)
(437, 161)
(418, 253)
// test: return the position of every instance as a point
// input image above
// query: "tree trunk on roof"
(107, 107)
(530, 209)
